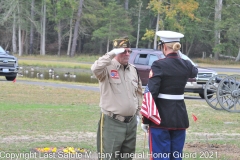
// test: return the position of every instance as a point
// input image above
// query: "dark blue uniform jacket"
(170, 76)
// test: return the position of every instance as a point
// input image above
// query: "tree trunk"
(19, 33)
(70, 38)
(139, 21)
(59, 38)
(155, 37)
(238, 56)
(43, 28)
(23, 38)
(149, 45)
(78, 50)
(108, 45)
(31, 29)
(19, 41)
(14, 37)
(100, 51)
(110, 29)
(126, 4)
(189, 49)
(186, 46)
(77, 24)
(217, 19)
(26, 44)
(40, 30)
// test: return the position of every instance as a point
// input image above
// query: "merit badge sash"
(114, 74)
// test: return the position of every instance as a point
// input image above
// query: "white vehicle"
(8, 65)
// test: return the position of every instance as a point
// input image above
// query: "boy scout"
(120, 102)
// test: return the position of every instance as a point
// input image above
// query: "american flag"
(149, 108)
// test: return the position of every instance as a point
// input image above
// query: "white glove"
(184, 57)
(138, 119)
(145, 127)
(118, 50)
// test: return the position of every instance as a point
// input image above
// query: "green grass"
(76, 62)
(53, 64)
(33, 118)
(36, 116)
(212, 62)
(37, 109)
(76, 58)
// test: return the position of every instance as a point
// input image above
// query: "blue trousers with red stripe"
(166, 144)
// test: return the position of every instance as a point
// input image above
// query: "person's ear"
(164, 47)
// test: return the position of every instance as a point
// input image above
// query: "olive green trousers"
(116, 140)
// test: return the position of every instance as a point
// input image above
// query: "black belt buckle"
(128, 119)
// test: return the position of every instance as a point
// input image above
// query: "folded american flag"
(149, 108)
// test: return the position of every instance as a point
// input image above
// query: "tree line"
(74, 27)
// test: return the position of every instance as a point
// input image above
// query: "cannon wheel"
(228, 93)
(210, 92)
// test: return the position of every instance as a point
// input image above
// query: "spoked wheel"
(228, 93)
(210, 91)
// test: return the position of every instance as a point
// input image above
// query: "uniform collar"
(172, 55)
(118, 65)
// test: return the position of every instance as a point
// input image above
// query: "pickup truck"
(8, 65)
(142, 59)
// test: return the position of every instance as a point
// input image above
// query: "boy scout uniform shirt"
(120, 89)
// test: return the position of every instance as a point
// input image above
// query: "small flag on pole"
(194, 117)
(14, 80)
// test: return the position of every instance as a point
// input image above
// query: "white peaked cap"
(169, 36)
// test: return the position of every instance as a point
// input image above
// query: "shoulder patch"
(114, 74)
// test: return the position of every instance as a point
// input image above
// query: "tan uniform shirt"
(120, 89)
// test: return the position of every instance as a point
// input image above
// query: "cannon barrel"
(218, 80)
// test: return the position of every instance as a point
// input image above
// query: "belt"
(125, 119)
(170, 96)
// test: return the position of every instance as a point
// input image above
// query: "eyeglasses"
(127, 51)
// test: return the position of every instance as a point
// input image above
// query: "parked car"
(8, 65)
(142, 59)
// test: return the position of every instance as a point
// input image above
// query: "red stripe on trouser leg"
(150, 143)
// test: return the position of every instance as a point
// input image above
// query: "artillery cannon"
(223, 92)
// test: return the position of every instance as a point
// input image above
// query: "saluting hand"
(118, 50)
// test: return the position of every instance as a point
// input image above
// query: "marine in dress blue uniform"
(167, 81)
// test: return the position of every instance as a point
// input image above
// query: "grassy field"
(41, 117)
(37, 116)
